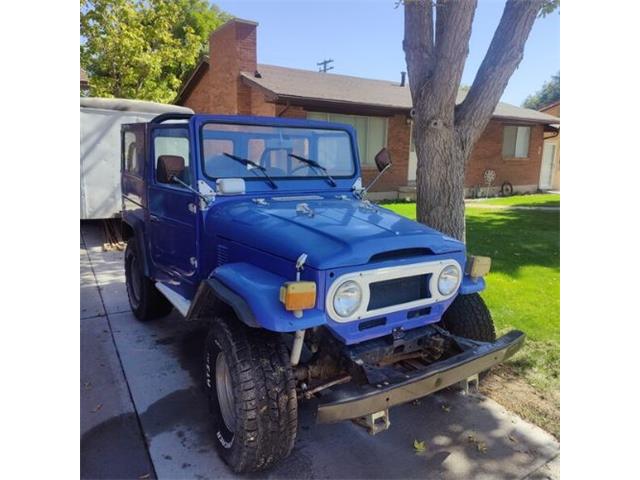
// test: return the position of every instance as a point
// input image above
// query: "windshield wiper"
(246, 162)
(315, 164)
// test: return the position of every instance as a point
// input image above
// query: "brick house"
(550, 170)
(230, 81)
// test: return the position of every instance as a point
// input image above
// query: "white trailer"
(100, 121)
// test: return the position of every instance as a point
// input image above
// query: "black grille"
(398, 291)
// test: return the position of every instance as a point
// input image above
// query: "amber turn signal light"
(478, 266)
(298, 296)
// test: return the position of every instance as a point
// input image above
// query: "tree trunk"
(444, 135)
(440, 179)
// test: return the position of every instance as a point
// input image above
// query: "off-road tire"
(264, 395)
(469, 317)
(151, 303)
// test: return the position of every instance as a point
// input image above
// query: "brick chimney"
(232, 49)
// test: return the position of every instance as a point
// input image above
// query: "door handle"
(153, 218)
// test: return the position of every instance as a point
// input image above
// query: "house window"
(371, 132)
(515, 141)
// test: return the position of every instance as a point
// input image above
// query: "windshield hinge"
(207, 194)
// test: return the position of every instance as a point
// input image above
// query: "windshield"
(280, 152)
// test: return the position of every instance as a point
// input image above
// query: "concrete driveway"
(143, 413)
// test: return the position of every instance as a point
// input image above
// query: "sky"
(364, 38)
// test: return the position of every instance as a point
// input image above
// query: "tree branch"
(453, 30)
(502, 59)
(418, 42)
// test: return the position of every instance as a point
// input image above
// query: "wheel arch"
(133, 227)
(214, 298)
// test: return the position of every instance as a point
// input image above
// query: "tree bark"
(503, 57)
(444, 135)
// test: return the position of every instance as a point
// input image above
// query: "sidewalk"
(143, 413)
(112, 444)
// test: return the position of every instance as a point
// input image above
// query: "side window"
(515, 141)
(132, 153)
(171, 155)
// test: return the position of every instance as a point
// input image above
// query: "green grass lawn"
(523, 288)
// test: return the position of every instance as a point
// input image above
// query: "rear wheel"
(145, 300)
(252, 396)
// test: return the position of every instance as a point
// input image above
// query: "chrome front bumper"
(354, 401)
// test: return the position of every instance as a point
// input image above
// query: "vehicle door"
(172, 206)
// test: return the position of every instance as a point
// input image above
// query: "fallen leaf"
(419, 446)
(446, 407)
(513, 439)
(482, 447)
(98, 407)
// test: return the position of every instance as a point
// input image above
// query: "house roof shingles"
(294, 83)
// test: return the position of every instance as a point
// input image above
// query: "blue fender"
(470, 285)
(137, 226)
(260, 291)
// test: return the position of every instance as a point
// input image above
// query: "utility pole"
(323, 65)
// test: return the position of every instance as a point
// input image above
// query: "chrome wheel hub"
(224, 390)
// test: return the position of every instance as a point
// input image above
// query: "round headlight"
(448, 280)
(347, 298)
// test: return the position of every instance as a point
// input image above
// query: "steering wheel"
(300, 167)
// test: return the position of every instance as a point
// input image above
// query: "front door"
(546, 169)
(172, 212)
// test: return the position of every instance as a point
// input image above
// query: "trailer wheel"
(469, 317)
(252, 395)
(145, 300)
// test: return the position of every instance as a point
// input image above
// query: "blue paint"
(470, 285)
(250, 242)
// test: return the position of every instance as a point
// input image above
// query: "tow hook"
(375, 422)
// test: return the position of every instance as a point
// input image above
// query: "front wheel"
(469, 317)
(252, 395)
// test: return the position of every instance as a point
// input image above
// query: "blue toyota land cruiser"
(261, 227)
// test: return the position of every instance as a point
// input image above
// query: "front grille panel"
(397, 291)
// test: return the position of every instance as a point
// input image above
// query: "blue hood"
(334, 233)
